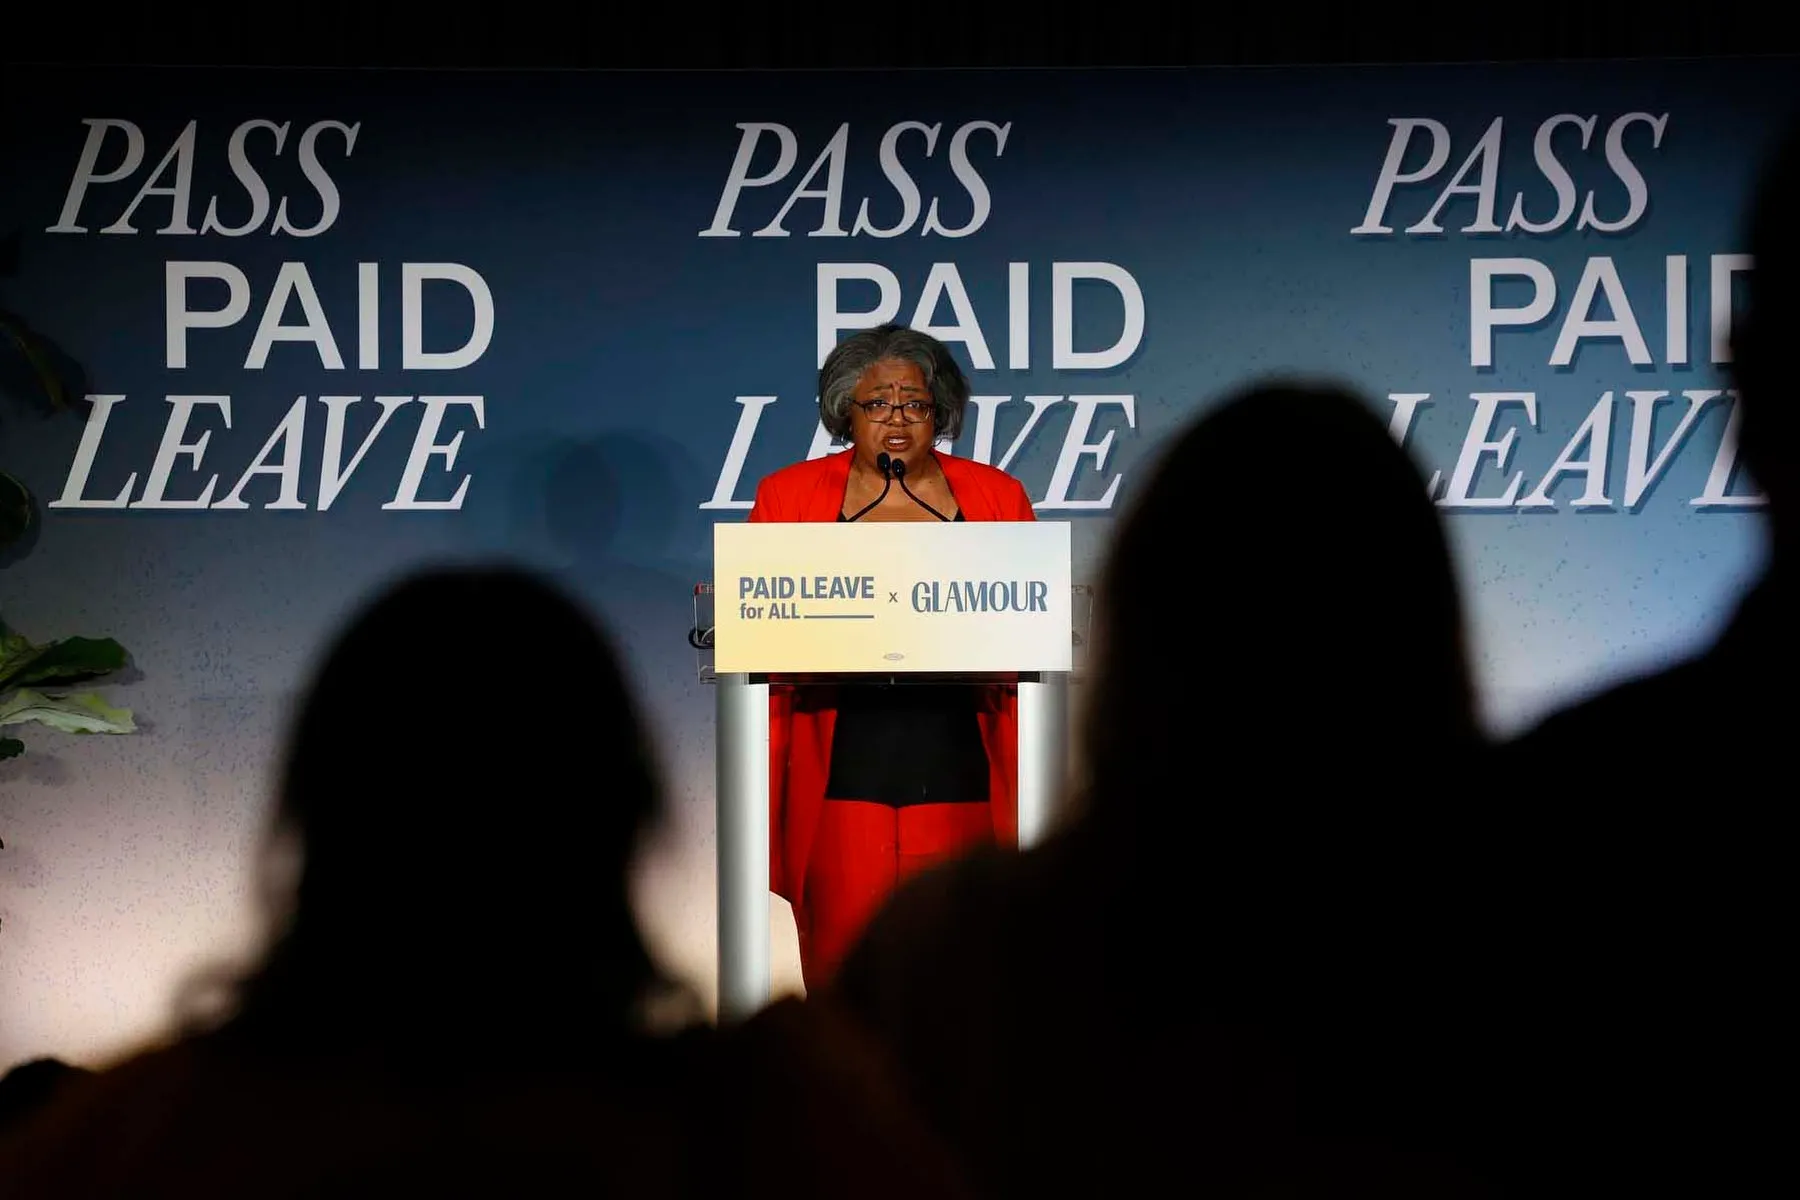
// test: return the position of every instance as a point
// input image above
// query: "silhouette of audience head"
(1767, 325)
(1279, 599)
(30, 1086)
(467, 782)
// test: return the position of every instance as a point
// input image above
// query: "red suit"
(835, 861)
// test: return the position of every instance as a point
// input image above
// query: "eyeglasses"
(911, 412)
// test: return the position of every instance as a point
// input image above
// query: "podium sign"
(892, 597)
(940, 598)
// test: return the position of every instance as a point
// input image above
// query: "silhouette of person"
(30, 1086)
(460, 1000)
(1662, 867)
(1213, 972)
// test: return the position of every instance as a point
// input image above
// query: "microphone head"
(883, 463)
(899, 469)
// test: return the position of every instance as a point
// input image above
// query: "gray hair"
(850, 358)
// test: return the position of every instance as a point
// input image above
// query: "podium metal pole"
(743, 845)
(1043, 752)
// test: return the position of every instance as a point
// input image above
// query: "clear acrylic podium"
(742, 780)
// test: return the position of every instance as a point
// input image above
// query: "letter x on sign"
(893, 597)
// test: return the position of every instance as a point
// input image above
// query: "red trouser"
(861, 852)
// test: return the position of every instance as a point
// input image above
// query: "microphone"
(900, 474)
(890, 470)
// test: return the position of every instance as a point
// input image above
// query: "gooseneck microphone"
(900, 474)
(890, 470)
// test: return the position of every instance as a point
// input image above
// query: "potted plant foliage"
(38, 680)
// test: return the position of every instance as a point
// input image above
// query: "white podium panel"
(903, 601)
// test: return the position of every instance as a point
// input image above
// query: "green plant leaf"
(15, 509)
(82, 713)
(70, 660)
(33, 351)
(10, 748)
(15, 652)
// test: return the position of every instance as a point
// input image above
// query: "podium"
(889, 602)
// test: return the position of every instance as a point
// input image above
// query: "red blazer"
(801, 718)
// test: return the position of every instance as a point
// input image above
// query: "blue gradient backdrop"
(622, 341)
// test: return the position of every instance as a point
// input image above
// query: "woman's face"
(892, 414)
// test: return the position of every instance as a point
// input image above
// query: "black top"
(903, 744)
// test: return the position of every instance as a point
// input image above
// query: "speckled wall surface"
(623, 343)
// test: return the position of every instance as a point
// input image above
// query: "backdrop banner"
(322, 327)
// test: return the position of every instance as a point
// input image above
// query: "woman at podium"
(869, 783)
